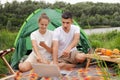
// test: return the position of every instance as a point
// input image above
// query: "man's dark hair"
(67, 15)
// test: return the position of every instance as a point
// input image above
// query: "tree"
(59, 5)
(83, 19)
(92, 20)
(105, 21)
(9, 25)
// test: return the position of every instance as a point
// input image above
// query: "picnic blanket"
(92, 73)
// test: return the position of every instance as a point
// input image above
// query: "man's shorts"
(71, 59)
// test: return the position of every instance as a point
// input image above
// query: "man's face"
(66, 23)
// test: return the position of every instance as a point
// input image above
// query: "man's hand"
(55, 62)
(66, 53)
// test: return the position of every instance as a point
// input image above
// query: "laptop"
(46, 70)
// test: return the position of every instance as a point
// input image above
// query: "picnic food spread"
(106, 55)
(115, 53)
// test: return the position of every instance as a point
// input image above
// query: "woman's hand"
(42, 43)
(45, 61)
(39, 58)
(49, 49)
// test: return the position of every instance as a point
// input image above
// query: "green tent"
(23, 43)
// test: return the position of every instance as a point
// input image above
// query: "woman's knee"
(24, 67)
(21, 66)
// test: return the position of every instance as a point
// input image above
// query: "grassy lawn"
(7, 39)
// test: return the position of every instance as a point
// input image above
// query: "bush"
(115, 23)
(108, 40)
(95, 43)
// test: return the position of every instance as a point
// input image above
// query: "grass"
(108, 40)
(103, 67)
(7, 39)
(92, 27)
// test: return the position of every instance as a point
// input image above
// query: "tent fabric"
(23, 43)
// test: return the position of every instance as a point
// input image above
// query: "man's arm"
(75, 41)
(72, 45)
(55, 52)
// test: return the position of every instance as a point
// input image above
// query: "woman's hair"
(43, 16)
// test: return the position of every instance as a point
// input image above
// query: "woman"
(41, 43)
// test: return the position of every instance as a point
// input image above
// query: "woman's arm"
(37, 53)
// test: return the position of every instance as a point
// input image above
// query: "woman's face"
(43, 24)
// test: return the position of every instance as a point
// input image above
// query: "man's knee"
(80, 58)
(61, 65)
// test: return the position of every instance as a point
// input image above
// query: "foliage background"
(12, 15)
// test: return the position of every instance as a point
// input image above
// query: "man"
(65, 40)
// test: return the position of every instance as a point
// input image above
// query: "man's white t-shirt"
(47, 38)
(64, 39)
